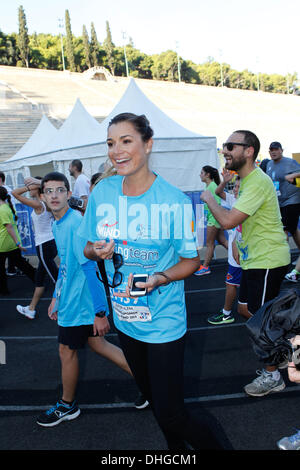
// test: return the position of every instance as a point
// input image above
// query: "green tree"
(95, 46)
(8, 49)
(23, 39)
(69, 42)
(45, 51)
(188, 72)
(165, 66)
(86, 46)
(109, 49)
(138, 64)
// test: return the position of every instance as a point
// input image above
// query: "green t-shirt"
(210, 218)
(260, 238)
(7, 217)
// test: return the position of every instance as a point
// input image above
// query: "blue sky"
(261, 35)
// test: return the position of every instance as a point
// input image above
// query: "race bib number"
(276, 185)
(130, 311)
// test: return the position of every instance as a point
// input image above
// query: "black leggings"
(17, 259)
(158, 371)
(46, 253)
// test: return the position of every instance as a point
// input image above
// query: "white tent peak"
(79, 129)
(44, 133)
(135, 101)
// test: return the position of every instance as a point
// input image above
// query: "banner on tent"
(25, 228)
(200, 217)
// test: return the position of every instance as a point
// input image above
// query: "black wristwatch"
(101, 314)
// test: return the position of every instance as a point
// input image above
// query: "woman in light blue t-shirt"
(140, 224)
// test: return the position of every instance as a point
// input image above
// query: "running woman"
(151, 328)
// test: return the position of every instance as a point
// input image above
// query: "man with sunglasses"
(263, 250)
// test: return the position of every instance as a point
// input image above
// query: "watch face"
(101, 314)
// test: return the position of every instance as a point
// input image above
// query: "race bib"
(131, 310)
(276, 186)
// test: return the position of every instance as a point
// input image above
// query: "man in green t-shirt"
(264, 253)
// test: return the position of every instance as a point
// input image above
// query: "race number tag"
(131, 310)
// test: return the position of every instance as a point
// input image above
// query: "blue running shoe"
(202, 270)
(290, 443)
(58, 413)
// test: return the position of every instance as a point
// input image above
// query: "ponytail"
(4, 196)
(12, 207)
(213, 173)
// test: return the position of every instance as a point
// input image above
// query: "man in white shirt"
(82, 183)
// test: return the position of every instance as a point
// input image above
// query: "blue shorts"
(233, 275)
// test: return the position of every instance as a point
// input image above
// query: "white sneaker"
(293, 276)
(26, 311)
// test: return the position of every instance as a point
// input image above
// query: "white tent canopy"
(135, 101)
(177, 155)
(41, 137)
(79, 130)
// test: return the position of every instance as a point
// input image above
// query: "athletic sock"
(68, 403)
(275, 374)
(226, 312)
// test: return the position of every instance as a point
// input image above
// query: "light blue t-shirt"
(151, 231)
(74, 302)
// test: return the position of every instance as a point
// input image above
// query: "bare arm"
(11, 231)
(227, 219)
(35, 204)
(227, 177)
(99, 250)
(184, 268)
(291, 176)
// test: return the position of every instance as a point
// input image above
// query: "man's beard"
(236, 164)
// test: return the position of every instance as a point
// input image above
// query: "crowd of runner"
(105, 252)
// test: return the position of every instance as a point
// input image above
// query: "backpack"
(273, 325)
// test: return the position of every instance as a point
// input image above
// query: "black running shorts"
(290, 217)
(258, 286)
(75, 337)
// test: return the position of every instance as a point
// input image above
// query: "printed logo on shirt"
(138, 221)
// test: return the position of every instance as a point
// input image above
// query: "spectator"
(263, 249)
(282, 171)
(82, 183)
(10, 242)
(94, 180)
(8, 189)
(264, 164)
(210, 176)
(233, 277)
(11, 270)
(42, 220)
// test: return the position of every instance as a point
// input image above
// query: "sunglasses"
(230, 145)
(118, 261)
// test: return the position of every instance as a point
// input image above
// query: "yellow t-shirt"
(7, 217)
(260, 238)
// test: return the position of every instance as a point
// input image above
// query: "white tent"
(41, 137)
(178, 154)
